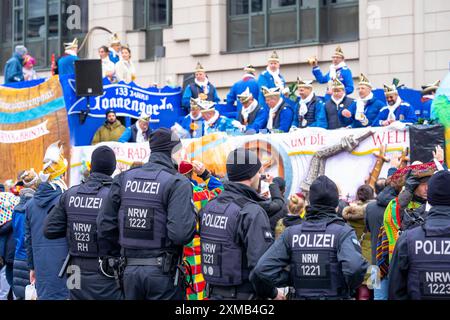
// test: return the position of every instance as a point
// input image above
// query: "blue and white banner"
(127, 100)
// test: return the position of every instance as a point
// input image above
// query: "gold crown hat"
(274, 57)
(55, 165)
(304, 83)
(337, 84)
(71, 45)
(272, 92)
(363, 81)
(338, 52)
(245, 96)
(431, 87)
(199, 68)
(115, 39)
(206, 106)
(250, 69)
(390, 89)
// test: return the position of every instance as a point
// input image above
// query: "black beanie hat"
(162, 140)
(109, 111)
(439, 189)
(324, 192)
(103, 160)
(242, 164)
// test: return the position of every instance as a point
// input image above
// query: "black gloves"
(412, 182)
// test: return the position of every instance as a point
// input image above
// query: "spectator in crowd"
(271, 78)
(396, 110)
(338, 70)
(29, 73)
(21, 275)
(193, 123)
(114, 49)
(252, 115)
(14, 66)
(337, 108)
(428, 92)
(249, 82)
(214, 122)
(275, 207)
(296, 213)
(125, 70)
(355, 216)
(2, 187)
(46, 257)
(365, 109)
(111, 130)
(280, 113)
(66, 64)
(309, 108)
(200, 88)
(138, 132)
(108, 67)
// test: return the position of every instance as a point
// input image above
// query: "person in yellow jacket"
(111, 130)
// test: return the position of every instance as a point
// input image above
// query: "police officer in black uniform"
(234, 230)
(75, 217)
(323, 253)
(420, 265)
(147, 217)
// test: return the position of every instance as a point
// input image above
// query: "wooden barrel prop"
(30, 120)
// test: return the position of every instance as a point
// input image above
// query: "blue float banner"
(127, 100)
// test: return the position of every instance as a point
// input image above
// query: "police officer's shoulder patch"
(267, 234)
(356, 243)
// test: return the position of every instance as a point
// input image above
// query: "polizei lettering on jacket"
(85, 202)
(142, 187)
(313, 240)
(214, 221)
(433, 247)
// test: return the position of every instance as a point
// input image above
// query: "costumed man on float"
(396, 110)
(193, 123)
(249, 82)
(192, 251)
(428, 92)
(338, 70)
(337, 108)
(252, 115)
(66, 64)
(114, 49)
(74, 217)
(280, 112)
(200, 88)
(365, 109)
(310, 109)
(46, 257)
(214, 122)
(272, 78)
(138, 132)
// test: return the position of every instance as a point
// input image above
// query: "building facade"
(406, 39)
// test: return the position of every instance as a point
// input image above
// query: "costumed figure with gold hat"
(202, 194)
(337, 108)
(138, 132)
(366, 108)
(193, 123)
(214, 122)
(248, 81)
(272, 78)
(251, 115)
(337, 70)
(428, 92)
(66, 64)
(114, 49)
(280, 112)
(396, 110)
(200, 88)
(46, 257)
(310, 109)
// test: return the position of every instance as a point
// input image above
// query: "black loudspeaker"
(88, 77)
(423, 139)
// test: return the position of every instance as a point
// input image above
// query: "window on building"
(43, 26)
(256, 24)
(152, 16)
